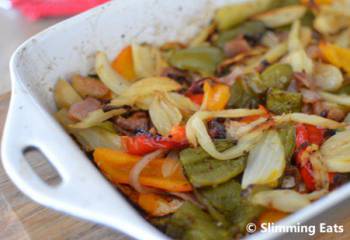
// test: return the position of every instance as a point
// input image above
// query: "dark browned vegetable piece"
(192, 223)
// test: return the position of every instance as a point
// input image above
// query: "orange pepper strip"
(271, 216)
(253, 118)
(318, 2)
(215, 97)
(335, 55)
(124, 64)
(116, 166)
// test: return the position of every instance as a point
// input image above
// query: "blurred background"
(21, 19)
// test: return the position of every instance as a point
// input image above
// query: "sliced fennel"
(108, 76)
(308, 119)
(285, 200)
(96, 117)
(266, 161)
(336, 152)
(164, 115)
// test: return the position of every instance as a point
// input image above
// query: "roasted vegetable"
(280, 102)
(266, 162)
(198, 59)
(337, 56)
(307, 119)
(271, 216)
(277, 76)
(318, 2)
(255, 83)
(215, 96)
(158, 205)
(143, 144)
(251, 30)
(203, 170)
(285, 200)
(90, 138)
(308, 139)
(336, 152)
(192, 223)
(65, 95)
(226, 198)
(164, 114)
(108, 76)
(148, 61)
(116, 165)
(328, 77)
(124, 63)
(203, 35)
(281, 16)
(341, 99)
(96, 117)
(297, 56)
(287, 136)
(242, 96)
(271, 56)
(97, 137)
(225, 19)
(196, 131)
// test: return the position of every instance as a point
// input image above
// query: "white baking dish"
(67, 48)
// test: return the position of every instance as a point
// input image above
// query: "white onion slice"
(164, 115)
(336, 152)
(244, 144)
(187, 197)
(96, 117)
(286, 200)
(341, 99)
(308, 119)
(328, 77)
(135, 172)
(171, 164)
(203, 115)
(108, 76)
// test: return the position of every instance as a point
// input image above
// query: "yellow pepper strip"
(116, 166)
(335, 55)
(318, 2)
(124, 64)
(215, 96)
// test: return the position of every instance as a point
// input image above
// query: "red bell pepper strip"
(305, 136)
(143, 144)
(196, 98)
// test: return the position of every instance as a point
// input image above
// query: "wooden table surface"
(21, 218)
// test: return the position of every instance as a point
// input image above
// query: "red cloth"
(35, 9)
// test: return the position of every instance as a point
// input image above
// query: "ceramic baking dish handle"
(82, 192)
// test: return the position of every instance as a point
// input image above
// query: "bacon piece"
(236, 46)
(87, 86)
(137, 121)
(329, 111)
(216, 129)
(80, 110)
(178, 75)
(314, 52)
(304, 79)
